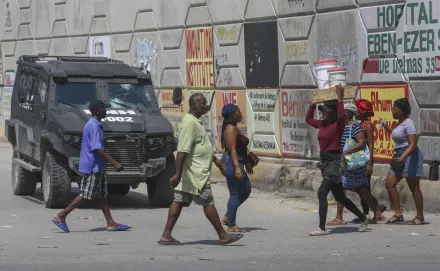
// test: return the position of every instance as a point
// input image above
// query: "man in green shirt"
(193, 170)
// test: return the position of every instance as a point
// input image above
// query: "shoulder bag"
(358, 159)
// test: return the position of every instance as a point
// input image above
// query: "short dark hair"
(193, 98)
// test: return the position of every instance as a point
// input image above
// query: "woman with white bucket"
(330, 131)
(321, 73)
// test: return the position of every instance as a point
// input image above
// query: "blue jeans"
(239, 191)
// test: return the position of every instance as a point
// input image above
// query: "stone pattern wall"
(257, 54)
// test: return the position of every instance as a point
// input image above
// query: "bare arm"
(412, 140)
(369, 131)
(180, 157)
(105, 156)
(340, 109)
(309, 117)
(361, 142)
(231, 134)
(387, 128)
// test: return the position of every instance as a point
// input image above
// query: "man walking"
(193, 170)
(92, 166)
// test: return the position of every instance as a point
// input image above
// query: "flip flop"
(232, 238)
(336, 222)
(62, 226)
(413, 222)
(171, 242)
(237, 229)
(399, 220)
(120, 227)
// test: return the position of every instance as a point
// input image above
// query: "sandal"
(398, 220)
(171, 242)
(235, 229)
(336, 222)
(413, 222)
(231, 239)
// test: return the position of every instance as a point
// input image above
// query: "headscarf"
(352, 108)
(364, 107)
(403, 104)
(227, 114)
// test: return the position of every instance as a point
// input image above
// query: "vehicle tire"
(160, 193)
(56, 183)
(24, 182)
(118, 189)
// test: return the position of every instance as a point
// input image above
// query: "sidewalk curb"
(304, 182)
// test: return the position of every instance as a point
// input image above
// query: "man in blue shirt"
(92, 166)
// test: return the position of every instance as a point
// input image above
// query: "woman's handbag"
(253, 159)
(395, 165)
(358, 159)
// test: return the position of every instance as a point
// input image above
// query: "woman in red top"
(333, 165)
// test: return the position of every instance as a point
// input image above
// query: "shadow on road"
(210, 243)
(250, 229)
(344, 230)
(133, 200)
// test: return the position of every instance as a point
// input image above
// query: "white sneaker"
(364, 226)
(318, 232)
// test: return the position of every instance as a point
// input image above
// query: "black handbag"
(395, 165)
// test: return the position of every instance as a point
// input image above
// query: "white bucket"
(337, 76)
(321, 67)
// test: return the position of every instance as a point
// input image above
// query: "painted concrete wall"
(258, 54)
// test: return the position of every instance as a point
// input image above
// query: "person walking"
(236, 162)
(330, 131)
(191, 182)
(364, 114)
(407, 161)
(92, 166)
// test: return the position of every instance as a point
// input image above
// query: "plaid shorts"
(94, 186)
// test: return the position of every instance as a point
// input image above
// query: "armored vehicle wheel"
(56, 183)
(23, 182)
(118, 189)
(160, 193)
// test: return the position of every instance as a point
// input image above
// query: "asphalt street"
(277, 237)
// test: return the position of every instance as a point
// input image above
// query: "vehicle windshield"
(130, 95)
(79, 94)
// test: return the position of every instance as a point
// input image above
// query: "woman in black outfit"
(236, 162)
(330, 131)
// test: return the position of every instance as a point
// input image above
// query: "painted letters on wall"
(199, 58)
(298, 138)
(382, 98)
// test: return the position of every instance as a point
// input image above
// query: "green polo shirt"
(194, 141)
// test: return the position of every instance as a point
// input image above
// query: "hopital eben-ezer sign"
(416, 42)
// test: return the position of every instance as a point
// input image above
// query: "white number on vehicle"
(118, 119)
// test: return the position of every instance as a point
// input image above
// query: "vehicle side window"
(26, 91)
(42, 89)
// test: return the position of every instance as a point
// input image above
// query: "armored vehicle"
(49, 108)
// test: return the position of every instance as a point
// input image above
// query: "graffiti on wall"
(199, 58)
(146, 53)
(296, 2)
(224, 97)
(261, 54)
(382, 98)
(346, 56)
(7, 13)
(99, 46)
(430, 121)
(298, 138)
(416, 43)
(228, 34)
(173, 113)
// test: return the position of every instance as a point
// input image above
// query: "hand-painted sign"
(199, 58)
(416, 41)
(382, 98)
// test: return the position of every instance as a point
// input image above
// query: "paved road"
(277, 237)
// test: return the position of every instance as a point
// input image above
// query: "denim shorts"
(413, 164)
